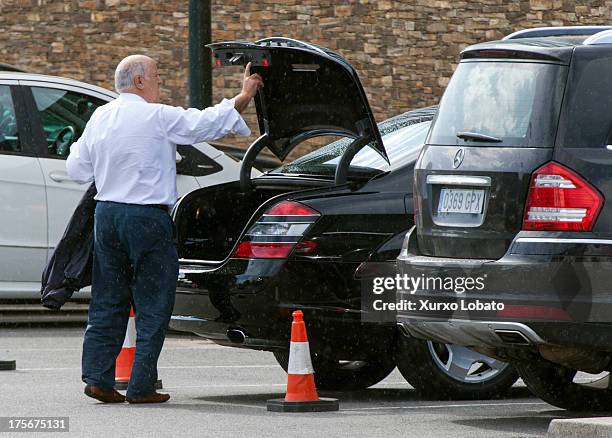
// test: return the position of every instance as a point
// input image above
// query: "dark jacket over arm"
(69, 268)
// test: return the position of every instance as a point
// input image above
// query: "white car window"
(63, 115)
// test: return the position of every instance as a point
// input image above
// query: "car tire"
(345, 375)
(423, 365)
(555, 384)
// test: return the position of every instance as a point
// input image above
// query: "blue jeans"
(135, 262)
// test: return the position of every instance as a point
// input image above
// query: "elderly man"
(128, 148)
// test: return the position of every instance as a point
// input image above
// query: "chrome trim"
(460, 180)
(563, 240)
(367, 233)
(210, 263)
(525, 340)
(416, 260)
(291, 215)
(459, 156)
(305, 67)
(291, 221)
(193, 270)
(187, 318)
(282, 222)
(269, 241)
(465, 332)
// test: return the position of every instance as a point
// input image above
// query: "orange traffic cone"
(125, 360)
(301, 393)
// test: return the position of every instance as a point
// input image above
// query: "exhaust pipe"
(236, 336)
(403, 330)
(513, 337)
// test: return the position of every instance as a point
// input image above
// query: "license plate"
(461, 201)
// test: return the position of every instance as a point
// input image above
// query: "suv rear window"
(516, 102)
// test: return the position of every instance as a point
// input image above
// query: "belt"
(160, 206)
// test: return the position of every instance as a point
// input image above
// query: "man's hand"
(250, 85)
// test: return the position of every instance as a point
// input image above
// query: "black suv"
(513, 234)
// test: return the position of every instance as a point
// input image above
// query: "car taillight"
(560, 200)
(278, 232)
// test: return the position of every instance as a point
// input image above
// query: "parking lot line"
(170, 367)
(233, 405)
(258, 385)
(179, 367)
(441, 406)
(201, 347)
(462, 405)
(231, 385)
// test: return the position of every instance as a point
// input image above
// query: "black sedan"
(255, 250)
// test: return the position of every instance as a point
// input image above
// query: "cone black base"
(321, 405)
(8, 365)
(122, 386)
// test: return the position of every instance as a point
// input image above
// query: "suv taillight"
(560, 200)
(278, 232)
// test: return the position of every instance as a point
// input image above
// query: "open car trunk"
(211, 220)
(309, 91)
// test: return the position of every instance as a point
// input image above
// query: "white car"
(40, 117)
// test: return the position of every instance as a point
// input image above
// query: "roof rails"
(540, 32)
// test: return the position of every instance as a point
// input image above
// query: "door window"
(63, 115)
(195, 163)
(9, 137)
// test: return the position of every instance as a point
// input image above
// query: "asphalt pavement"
(221, 392)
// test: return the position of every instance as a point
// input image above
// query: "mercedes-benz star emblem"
(458, 158)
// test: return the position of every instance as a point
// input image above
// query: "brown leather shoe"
(151, 398)
(104, 395)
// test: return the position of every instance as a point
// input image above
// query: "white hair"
(128, 69)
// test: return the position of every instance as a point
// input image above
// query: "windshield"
(402, 143)
(500, 103)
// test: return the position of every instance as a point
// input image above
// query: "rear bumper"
(487, 334)
(235, 295)
(504, 334)
(554, 290)
(248, 304)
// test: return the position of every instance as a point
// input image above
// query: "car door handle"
(59, 176)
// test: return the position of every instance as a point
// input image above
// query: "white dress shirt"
(129, 146)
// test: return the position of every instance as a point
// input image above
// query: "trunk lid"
(497, 179)
(308, 91)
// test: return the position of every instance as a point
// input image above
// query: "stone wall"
(405, 51)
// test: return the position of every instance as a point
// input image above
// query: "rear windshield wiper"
(464, 135)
